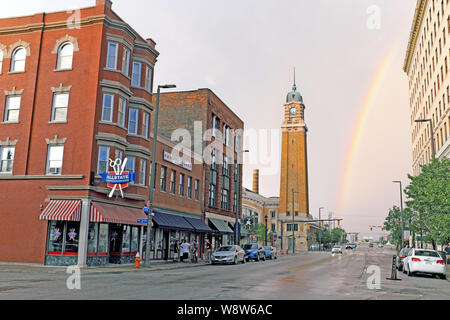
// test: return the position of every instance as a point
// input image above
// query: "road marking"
(311, 264)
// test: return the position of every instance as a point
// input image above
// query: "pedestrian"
(208, 251)
(195, 252)
(447, 249)
(185, 249)
(176, 250)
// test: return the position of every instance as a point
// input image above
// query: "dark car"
(401, 257)
(268, 251)
(254, 252)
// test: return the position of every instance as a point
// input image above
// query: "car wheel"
(443, 276)
(235, 260)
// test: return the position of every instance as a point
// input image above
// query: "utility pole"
(293, 221)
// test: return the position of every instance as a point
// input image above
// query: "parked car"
(424, 261)
(274, 252)
(228, 254)
(371, 245)
(401, 257)
(254, 252)
(337, 249)
(350, 245)
(380, 245)
(268, 251)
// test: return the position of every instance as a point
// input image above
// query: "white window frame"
(114, 55)
(60, 56)
(143, 172)
(148, 78)
(8, 109)
(130, 120)
(133, 78)
(48, 167)
(111, 107)
(107, 148)
(121, 116)
(126, 61)
(128, 167)
(4, 158)
(54, 107)
(14, 60)
(145, 123)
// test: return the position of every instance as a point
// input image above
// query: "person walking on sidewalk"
(185, 249)
(194, 258)
(208, 251)
(176, 250)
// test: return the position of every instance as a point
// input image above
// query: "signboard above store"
(176, 160)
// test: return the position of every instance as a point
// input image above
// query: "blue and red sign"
(117, 178)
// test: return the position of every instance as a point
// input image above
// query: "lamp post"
(401, 211)
(433, 151)
(152, 177)
(293, 216)
(265, 237)
(236, 223)
(320, 238)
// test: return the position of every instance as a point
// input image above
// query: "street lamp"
(401, 211)
(236, 223)
(152, 178)
(320, 238)
(433, 151)
(293, 216)
(265, 237)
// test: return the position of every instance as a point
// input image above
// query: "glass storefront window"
(92, 237)
(103, 239)
(134, 239)
(56, 237)
(72, 237)
(126, 237)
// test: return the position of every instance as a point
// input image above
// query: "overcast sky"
(245, 51)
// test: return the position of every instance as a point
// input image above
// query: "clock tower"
(294, 173)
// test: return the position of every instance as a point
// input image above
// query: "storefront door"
(166, 247)
(115, 243)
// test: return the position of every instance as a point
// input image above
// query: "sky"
(348, 56)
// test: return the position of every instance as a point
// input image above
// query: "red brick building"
(210, 128)
(76, 93)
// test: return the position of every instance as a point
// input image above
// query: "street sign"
(320, 235)
(275, 235)
(142, 220)
(146, 210)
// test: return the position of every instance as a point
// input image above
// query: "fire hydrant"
(137, 262)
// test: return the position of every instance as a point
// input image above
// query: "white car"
(228, 254)
(336, 249)
(424, 261)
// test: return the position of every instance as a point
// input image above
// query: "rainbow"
(361, 120)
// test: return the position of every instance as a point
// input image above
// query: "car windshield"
(424, 253)
(337, 247)
(250, 247)
(404, 252)
(226, 248)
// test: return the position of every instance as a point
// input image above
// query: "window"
(131, 165)
(235, 202)
(18, 60)
(126, 61)
(142, 172)
(173, 175)
(272, 227)
(133, 121)
(121, 112)
(272, 214)
(1, 61)
(54, 159)
(136, 74)
(7, 159)
(126, 238)
(111, 59)
(181, 186)
(163, 178)
(108, 105)
(189, 187)
(65, 56)
(148, 79)
(145, 122)
(224, 203)
(212, 195)
(103, 239)
(59, 108)
(289, 227)
(119, 154)
(92, 238)
(103, 157)
(296, 213)
(288, 213)
(12, 108)
(196, 188)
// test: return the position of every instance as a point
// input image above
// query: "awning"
(62, 210)
(199, 225)
(171, 221)
(103, 212)
(220, 225)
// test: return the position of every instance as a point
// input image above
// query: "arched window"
(18, 60)
(65, 56)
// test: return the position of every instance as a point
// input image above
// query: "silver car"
(228, 254)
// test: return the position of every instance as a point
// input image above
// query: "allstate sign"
(118, 177)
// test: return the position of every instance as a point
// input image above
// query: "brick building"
(74, 95)
(202, 122)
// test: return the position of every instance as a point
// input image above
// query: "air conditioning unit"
(55, 170)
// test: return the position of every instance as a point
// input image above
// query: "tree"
(393, 223)
(428, 197)
(260, 230)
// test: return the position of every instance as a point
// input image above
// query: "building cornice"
(415, 29)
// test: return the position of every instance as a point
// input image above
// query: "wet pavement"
(304, 276)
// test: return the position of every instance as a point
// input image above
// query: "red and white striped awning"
(62, 210)
(103, 212)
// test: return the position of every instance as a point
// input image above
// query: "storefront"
(113, 233)
(171, 228)
(223, 234)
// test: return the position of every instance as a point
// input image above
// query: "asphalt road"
(305, 276)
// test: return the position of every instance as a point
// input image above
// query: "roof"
(417, 22)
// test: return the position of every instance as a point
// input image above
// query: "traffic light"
(371, 228)
(339, 223)
(382, 227)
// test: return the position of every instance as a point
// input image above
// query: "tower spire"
(294, 87)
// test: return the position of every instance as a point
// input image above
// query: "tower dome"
(294, 95)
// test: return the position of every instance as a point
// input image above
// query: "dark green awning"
(220, 225)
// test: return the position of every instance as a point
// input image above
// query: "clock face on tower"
(293, 110)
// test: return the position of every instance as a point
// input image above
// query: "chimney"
(151, 43)
(256, 180)
(105, 3)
